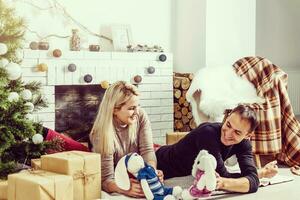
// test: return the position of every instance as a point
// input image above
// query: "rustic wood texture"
(177, 93)
(183, 118)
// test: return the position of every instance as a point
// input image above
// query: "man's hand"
(233, 184)
(160, 175)
(197, 96)
(269, 170)
(220, 183)
(295, 170)
(135, 189)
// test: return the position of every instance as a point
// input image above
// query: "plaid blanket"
(278, 131)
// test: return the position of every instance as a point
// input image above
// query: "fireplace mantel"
(156, 87)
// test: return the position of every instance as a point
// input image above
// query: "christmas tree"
(20, 137)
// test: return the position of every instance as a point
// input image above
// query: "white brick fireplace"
(156, 88)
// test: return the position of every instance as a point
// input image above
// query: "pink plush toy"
(205, 178)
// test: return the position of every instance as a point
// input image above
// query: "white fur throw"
(221, 88)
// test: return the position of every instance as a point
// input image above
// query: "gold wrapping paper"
(39, 185)
(174, 137)
(3, 189)
(83, 166)
(36, 163)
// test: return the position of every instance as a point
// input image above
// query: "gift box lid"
(70, 162)
(39, 184)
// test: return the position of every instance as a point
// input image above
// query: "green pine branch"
(16, 131)
(11, 32)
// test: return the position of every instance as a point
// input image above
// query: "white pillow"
(221, 88)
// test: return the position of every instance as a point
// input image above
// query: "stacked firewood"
(183, 117)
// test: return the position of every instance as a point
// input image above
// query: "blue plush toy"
(152, 187)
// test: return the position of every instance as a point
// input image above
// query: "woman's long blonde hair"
(103, 134)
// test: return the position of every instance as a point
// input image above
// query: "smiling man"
(221, 140)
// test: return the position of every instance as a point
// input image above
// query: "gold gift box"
(84, 167)
(36, 163)
(3, 189)
(39, 185)
(174, 137)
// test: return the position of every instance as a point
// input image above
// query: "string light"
(58, 7)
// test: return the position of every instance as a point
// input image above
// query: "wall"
(188, 34)
(230, 31)
(149, 20)
(277, 36)
(198, 32)
(278, 30)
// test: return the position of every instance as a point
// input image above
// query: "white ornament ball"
(26, 94)
(3, 49)
(29, 116)
(37, 138)
(13, 96)
(3, 62)
(30, 106)
(14, 71)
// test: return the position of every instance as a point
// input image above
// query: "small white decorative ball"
(30, 106)
(29, 116)
(26, 94)
(14, 71)
(13, 96)
(3, 49)
(37, 138)
(3, 62)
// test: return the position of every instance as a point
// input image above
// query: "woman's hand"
(135, 189)
(269, 170)
(160, 175)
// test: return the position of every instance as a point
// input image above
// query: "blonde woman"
(121, 127)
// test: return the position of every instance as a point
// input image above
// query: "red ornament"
(57, 53)
(137, 79)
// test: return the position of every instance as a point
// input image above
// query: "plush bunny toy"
(205, 178)
(152, 187)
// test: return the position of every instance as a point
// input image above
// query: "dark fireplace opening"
(76, 107)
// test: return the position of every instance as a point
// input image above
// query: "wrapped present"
(3, 189)
(174, 137)
(39, 185)
(36, 163)
(83, 166)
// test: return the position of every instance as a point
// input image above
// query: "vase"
(75, 41)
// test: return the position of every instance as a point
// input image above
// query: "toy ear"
(198, 158)
(194, 169)
(121, 175)
(210, 165)
(203, 153)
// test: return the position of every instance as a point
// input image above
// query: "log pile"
(183, 118)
